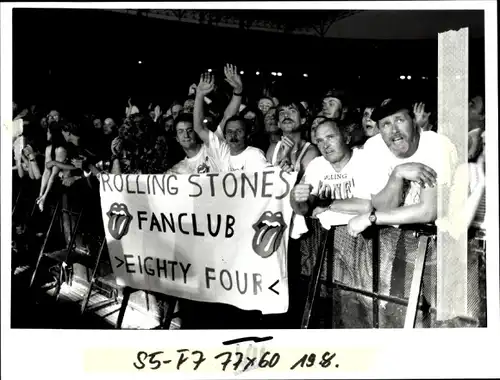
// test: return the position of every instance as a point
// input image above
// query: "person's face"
(399, 133)
(289, 118)
(332, 107)
(250, 116)
(369, 126)
(314, 126)
(235, 136)
(330, 142)
(152, 114)
(176, 110)
(161, 144)
(108, 127)
(185, 135)
(43, 122)
(97, 123)
(53, 117)
(476, 110)
(264, 105)
(169, 124)
(188, 106)
(270, 123)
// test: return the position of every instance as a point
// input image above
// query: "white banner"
(218, 237)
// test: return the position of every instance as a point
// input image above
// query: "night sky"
(88, 59)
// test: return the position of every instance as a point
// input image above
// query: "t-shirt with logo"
(348, 183)
(211, 158)
(434, 150)
(250, 160)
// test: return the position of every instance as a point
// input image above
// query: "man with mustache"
(234, 151)
(293, 152)
(404, 164)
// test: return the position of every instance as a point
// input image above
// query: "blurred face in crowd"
(369, 126)
(161, 144)
(109, 125)
(188, 106)
(265, 104)
(289, 119)
(236, 136)
(169, 124)
(270, 123)
(476, 111)
(97, 123)
(317, 120)
(399, 133)
(331, 142)
(53, 117)
(332, 107)
(43, 122)
(176, 109)
(185, 135)
(250, 115)
(152, 114)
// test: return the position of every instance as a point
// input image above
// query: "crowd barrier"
(335, 280)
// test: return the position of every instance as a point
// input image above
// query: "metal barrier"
(376, 266)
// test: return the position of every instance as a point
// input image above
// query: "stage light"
(305, 75)
(242, 72)
(280, 74)
(257, 73)
(209, 70)
(402, 77)
(273, 74)
(423, 77)
(140, 62)
(408, 77)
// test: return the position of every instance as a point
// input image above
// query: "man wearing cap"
(332, 104)
(405, 166)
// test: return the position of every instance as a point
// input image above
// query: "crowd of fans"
(375, 163)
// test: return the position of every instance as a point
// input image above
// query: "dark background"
(88, 60)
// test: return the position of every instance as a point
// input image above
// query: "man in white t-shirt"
(233, 151)
(405, 166)
(200, 158)
(333, 187)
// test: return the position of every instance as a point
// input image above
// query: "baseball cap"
(390, 106)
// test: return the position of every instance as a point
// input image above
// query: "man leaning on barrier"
(405, 166)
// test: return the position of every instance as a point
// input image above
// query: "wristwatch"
(372, 218)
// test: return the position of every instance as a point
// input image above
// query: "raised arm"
(205, 86)
(234, 80)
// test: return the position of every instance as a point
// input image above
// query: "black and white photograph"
(248, 167)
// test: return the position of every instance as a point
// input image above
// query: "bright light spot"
(279, 74)
(205, 121)
(209, 70)
(305, 75)
(423, 77)
(457, 77)
(242, 72)
(257, 73)
(140, 62)
(408, 77)
(273, 74)
(402, 77)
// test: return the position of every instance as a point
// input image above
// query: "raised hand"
(157, 112)
(206, 84)
(233, 78)
(421, 117)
